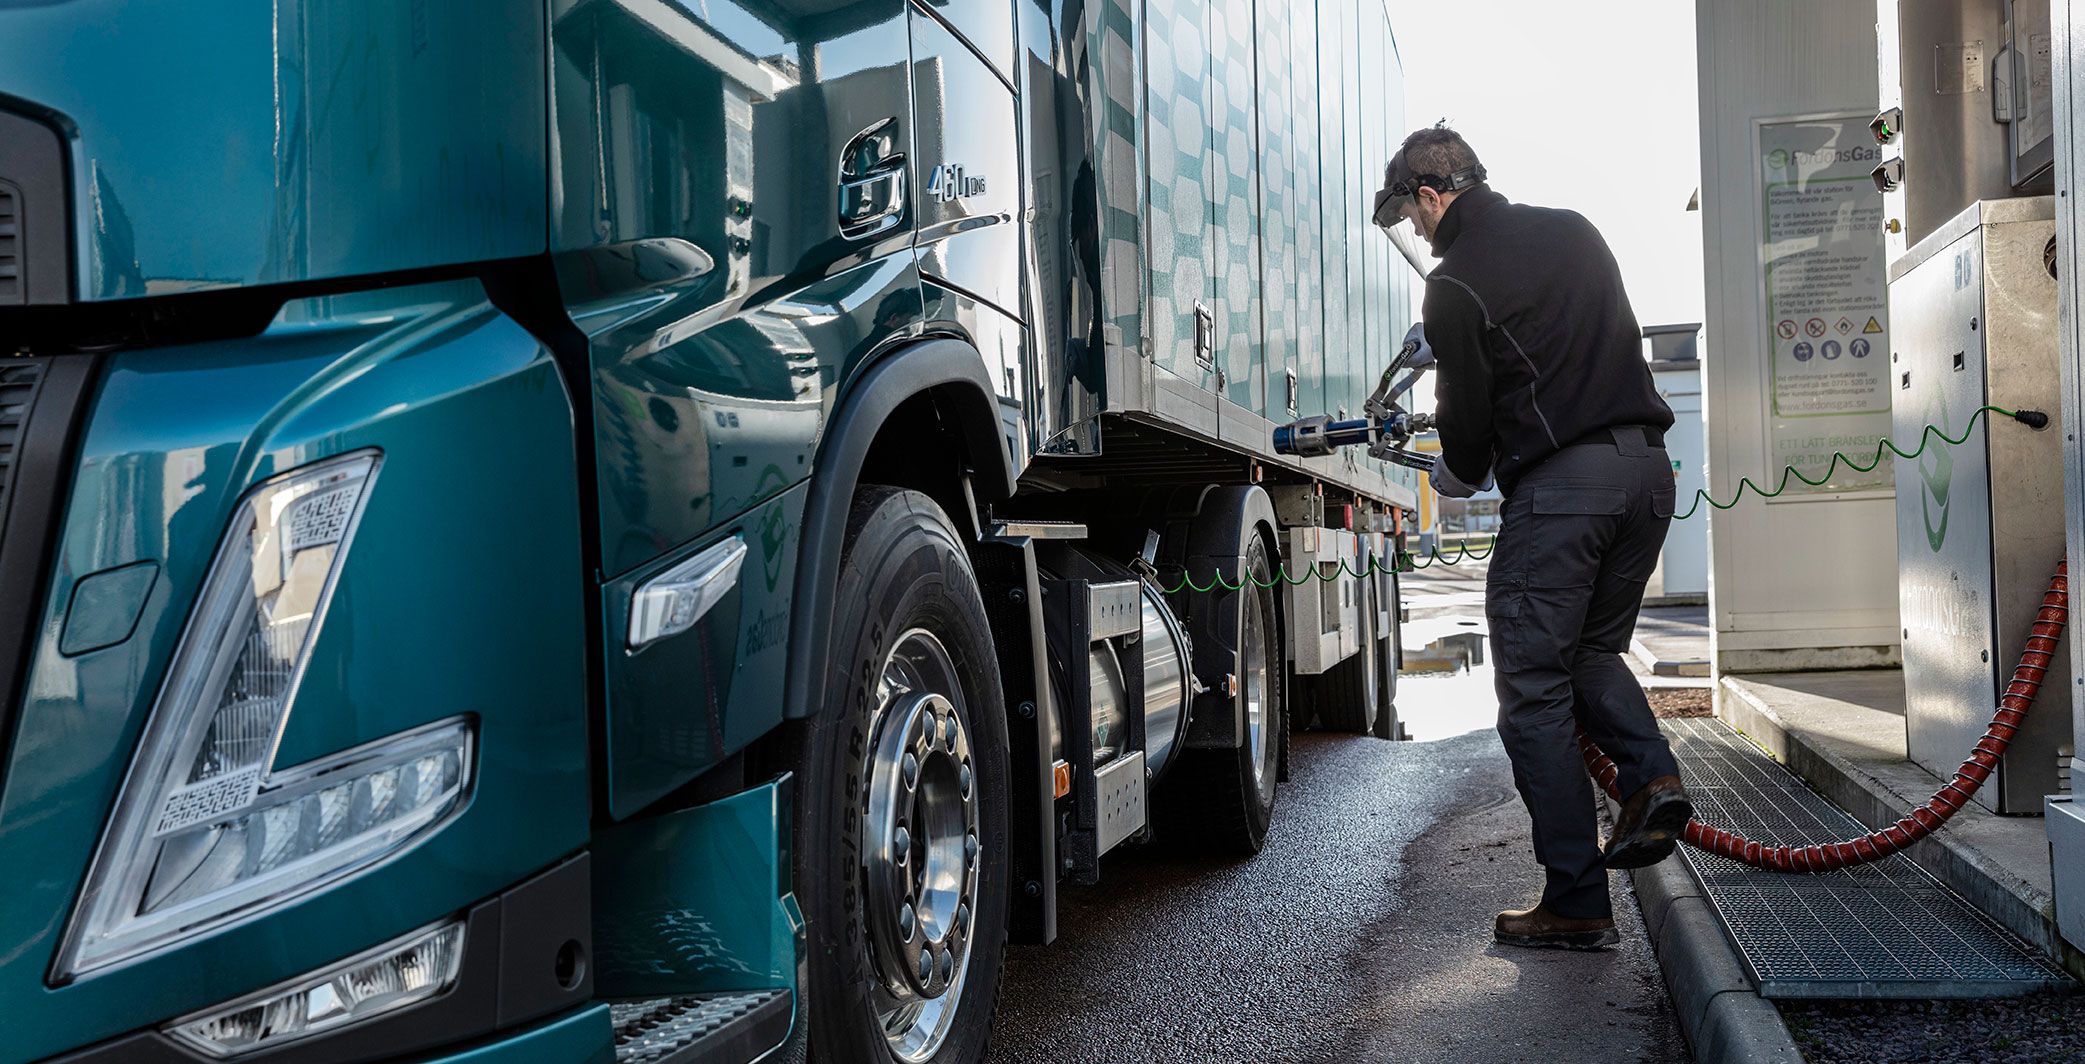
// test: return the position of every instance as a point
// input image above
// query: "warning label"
(1823, 257)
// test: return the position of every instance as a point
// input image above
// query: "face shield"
(1391, 200)
(1400, 189)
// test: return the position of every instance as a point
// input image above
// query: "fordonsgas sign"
(1863, 155)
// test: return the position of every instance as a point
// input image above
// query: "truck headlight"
(201, 834)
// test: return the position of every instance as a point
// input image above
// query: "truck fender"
(1225, 520)
(955, 372)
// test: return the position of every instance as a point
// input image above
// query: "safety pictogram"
(1873, 326)
(1815, 327)
(1786, 330)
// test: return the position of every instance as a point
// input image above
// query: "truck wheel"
(1389, 661)
(1347, 698)
(1224, 799)
(901, 854)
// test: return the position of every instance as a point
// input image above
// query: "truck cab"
(638, 530)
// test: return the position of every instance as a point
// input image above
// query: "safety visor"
(1391, 200)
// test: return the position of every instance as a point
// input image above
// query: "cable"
(1462, 551)
(2031, 418)
(2019, 697)
(1408, 563)
(1281, 576)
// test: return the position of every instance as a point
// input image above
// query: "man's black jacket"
(1537, 348)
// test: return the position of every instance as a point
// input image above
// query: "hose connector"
(2033, 419)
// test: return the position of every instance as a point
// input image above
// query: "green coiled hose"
(1410, 563)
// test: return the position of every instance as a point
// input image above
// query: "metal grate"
(10, 244)
(659, 1030)
(1882, 930)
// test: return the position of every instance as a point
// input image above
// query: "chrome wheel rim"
(920, 847)
(1256, 689)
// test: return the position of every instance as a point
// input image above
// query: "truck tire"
(1347, 697)
(901, 851)
(1222, 801)
(1391, 659)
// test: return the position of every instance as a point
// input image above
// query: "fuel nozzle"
(1312, 437)
(1385, 424)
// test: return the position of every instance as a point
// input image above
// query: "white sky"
(1569, 106)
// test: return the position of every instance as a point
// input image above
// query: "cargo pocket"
(1505, 600)
(1570, 527)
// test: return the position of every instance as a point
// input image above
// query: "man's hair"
(1435, 150)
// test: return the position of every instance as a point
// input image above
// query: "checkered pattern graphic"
(1176, 129)
(1234, 193)
(1329, 56)
(1305, 217)
(1279, 177)
(1265, 129)
(1111, 42)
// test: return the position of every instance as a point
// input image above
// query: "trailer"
(660, 530)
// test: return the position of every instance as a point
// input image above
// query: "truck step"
(711, 1028)
(1122, 809)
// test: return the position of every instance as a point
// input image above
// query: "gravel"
(2037, 1029)
(1667, 702)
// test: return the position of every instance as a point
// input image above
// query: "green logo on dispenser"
(1936, 478)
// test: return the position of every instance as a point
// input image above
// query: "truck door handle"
(872, 182)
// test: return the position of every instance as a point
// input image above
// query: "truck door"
(966, 139)
(733, 210)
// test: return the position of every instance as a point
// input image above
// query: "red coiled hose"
(1926, 819)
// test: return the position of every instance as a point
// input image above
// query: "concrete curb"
(1724, 1019)
(1692, 668)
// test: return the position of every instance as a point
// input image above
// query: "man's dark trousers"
(1581, 535)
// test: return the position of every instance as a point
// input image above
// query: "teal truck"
(656, 530)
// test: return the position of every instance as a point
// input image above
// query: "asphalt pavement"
(1362, 932)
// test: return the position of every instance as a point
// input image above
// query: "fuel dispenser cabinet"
(1979, 527)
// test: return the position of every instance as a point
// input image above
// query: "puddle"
(1445, 688)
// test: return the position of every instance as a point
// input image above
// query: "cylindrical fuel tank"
(1162, 651)
(1165, 681)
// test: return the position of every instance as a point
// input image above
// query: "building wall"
(2067, 26)
(1802, 584)
(1683, 565)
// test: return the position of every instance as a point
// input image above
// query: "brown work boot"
(1538, 928)
(1650, 824)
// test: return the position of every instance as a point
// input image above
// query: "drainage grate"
(708, 1027)
(1882, 930)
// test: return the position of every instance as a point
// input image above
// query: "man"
(1542, 384)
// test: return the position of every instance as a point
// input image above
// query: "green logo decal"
(1936, 476)
(1778, 159)
(773, 532)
